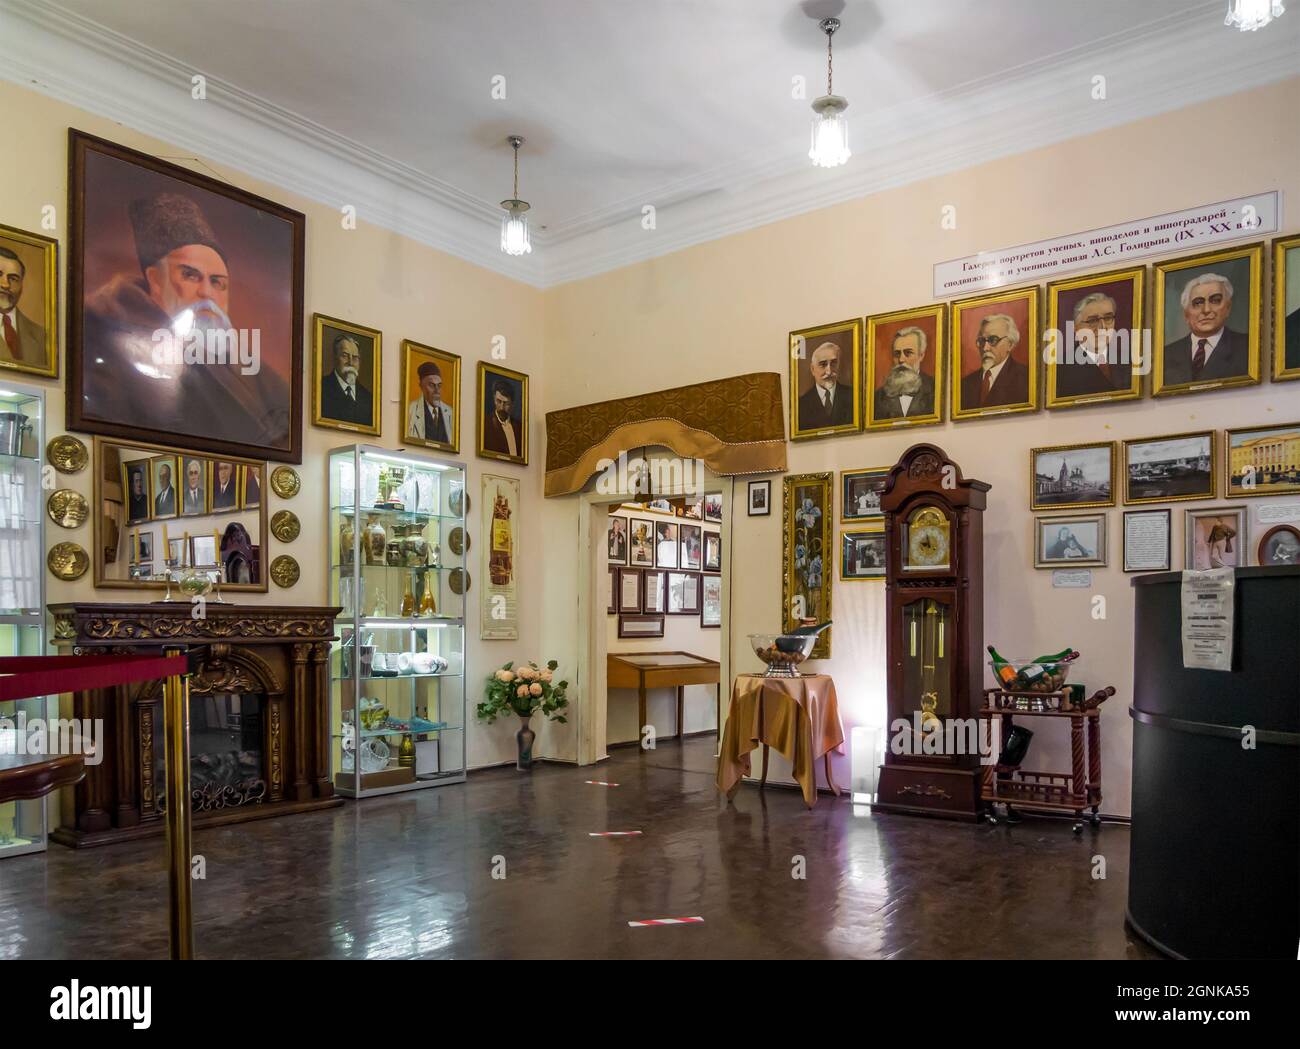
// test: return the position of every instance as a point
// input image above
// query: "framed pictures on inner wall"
(712, 552)
(807, 516)
(135, 490)
(1208, 310)
(194, 478)
(1216, 538)
(629, 590)
(994, 354)
(1073, 476)
(430, 402)
(1147, 540)
(346, 375)
(611, 590)
(713, 508)
(665, 544)
(29, 302)
(825, 388)
(683, 593)
(692, 547)
(1169, 469)
(1265, 461)
(502, 414)
(710, 601)
(224, 492)
(162, 474)
(641, 550)
(760, 498)
(860, 492)
(1078, 541)
(862, 552)
(1286, 308)
(905, 367)
(653, 587)
(616, 540)
(644, 625)
(1102, 320)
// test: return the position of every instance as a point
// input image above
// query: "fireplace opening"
(227, 753)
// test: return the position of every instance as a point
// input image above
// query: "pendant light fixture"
(830, 128)
(514, 223)
(1249, 15)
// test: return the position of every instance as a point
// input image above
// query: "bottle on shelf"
(428, 606)
(408, 600)
(1005, 672)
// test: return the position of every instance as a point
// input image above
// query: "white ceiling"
(683, 104)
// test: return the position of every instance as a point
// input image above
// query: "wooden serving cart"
(1075, 791)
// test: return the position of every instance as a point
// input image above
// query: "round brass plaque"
(285, 525)
(67, 508)
(458, 579)
(67, 454)
(284, 571)
(458, 540)
(285, 482)
(67, 561)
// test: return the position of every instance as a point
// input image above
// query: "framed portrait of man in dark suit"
(1286, 308)
(224, 477)
(136, 496)
(194, 485)
(163, 476)
(905, 367)
(29, 289)
(502, 414)
(825, 388)
(1097, 349)
(994, 354)
(346, 375)
(1207, 321)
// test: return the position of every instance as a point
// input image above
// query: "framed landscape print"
(162, 486)
(808, 513)
(862, 553)
(616, 540)
(430, 397)
(666, 553)
(712, 552)
(760, 498)
(1072, 476)
(692, 547)
(860, 492)
(1265, 461)
(345, 375)
(711, 601)
(1070, 542)
(994, 354)
(216, 272)
(502, 414)
(1286, 308)
(29, 302)
(641, 550)
(1096, 324)
(1280, 545)
(1216, 538)
(1148, 540)
(1169, 469)
(194, 485)
(1206, 328)
(905, 367)
(825, 389)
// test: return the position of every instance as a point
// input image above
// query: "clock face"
(927, 539)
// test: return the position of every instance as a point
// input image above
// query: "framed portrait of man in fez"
(430, 397)
(185, 307)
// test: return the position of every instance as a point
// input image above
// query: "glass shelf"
(396, 677)
(366, 569)
(409, 515)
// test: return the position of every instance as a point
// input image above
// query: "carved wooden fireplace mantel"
(259, 716)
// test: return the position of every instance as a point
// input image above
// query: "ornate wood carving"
(148, 803)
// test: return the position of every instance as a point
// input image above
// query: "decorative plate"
(285, 482)
(285, 525)
(66, 508)
(458, 540)
(284, 571)
(458, 502)
(67, 454)
(67, 561)
(459, 581)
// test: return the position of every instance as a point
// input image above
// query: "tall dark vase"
(524, 741)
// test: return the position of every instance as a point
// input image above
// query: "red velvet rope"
(22, 677)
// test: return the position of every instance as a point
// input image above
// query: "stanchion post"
(176, 744)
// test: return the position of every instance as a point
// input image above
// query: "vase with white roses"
(525, 690)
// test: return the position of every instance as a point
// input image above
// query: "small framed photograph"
(629, 590)
(760, 498)
(176, 552)
(905, 367)
(1078, 541)
(203, 551)
(250, 487)
(162, 478)
(616, 540)
(712, 552)
(1280, 545)
(1286, 308)
(995, 354)
(641, 544)
(711, 602)
(862, 553)
(1096, 351)
(224, 492)
(713, 508)
(825, 390)
(1216, 538)
(653, 590)
(1072, 476)
(665, 544)
(144, 546)
(641, 625)
(135, 491)
(1147, 540)
(611, 590)
(1262, 462)
(692, 547)
(683, 593)
(346, 372)
(861, 491)
(1169, 469)
(194, 481)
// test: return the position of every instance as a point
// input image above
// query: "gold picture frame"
(31, 331)
(1175, 483)
(330, 406)
(1234, 360)
(1286, 324)
(1277, 456)
(846, 337)
(807, 538)
(159, 512)
(882, 332)
(516, 385)
(1014, 389)
(1077, 476)
(1126, 363)
(444, 383)
(848, 542)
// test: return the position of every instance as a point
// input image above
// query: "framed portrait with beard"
(905, 367)
(995, 352)
(185, 307)
(825, 388)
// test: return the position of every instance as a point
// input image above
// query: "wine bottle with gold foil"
(428, 606)
(408, 599)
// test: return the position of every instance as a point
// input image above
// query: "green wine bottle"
(1005, 672)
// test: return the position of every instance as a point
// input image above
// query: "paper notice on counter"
(1208, 608)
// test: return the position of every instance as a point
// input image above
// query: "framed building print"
(712, 552)
(862, 552)
(1265, 461)
(629, 589)
(1097, 351)
(29, 302)
(1078, 541)
(502, 414)
(825, 390)
(194, 485)
(860, 492)
(1072, 476)
(1216, 538)
(808, 513)
(1286, 308)
(1148, 541)
(1280, 545)
(994, 354)
(1169, 469)
(430, 397)
(162, 486)
(905, 367)
(346, 375)
(666, 553)
(692, 547)
(760, 498)
(710, 601)
(616, 540)
(1207, 316)
(155, 249)
(641, 548)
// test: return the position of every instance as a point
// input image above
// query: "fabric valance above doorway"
(735, 425)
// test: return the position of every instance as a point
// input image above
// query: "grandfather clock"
(934, 593)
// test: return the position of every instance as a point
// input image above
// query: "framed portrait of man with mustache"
(995, 353)
(905, 367)
(29, 288)
(345, 375)
(825, 390)
(185, 307)
(1096, 341)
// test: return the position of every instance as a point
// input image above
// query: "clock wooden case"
(934, 594)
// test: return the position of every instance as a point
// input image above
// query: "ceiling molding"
(1164, 66)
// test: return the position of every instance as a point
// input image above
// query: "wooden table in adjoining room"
(647, 670)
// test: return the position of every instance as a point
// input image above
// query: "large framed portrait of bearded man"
(185, 307)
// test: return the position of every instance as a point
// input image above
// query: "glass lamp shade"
(1249, 15)
(514, 228)
(830, 132)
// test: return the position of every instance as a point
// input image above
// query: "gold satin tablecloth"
(798, 717)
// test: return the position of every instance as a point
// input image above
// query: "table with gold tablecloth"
(800, 717)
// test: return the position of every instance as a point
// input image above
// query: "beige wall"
(367, 275)
(725, 307)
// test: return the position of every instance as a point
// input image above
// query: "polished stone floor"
(412, 876)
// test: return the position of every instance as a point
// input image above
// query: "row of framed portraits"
(980, 355)
(163, 487)
(641, 592)
(646, 543)
(1213, 537)
(1258, 461)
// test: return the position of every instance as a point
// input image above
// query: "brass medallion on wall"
(285, 482)
(458, 540)
(67, 454)
(285, 526)
(459, 581)
(67, 561)
(284, 571)
(66, 508)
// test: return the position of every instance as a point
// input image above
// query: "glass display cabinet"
(398, 547)
(22, 586)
